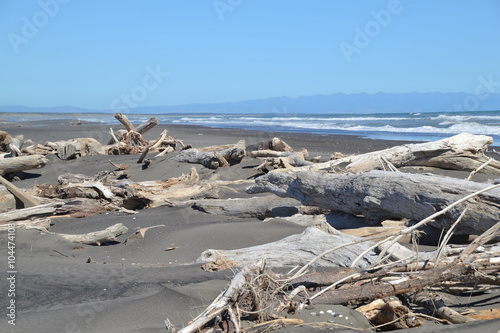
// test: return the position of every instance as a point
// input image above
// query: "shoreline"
(134, 287)
(197, 135)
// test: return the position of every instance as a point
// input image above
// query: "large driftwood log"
(460, 152)
(213, 157)
(298, 250)
(380, 195)
(259, 207)
(21, 163)
(79, 147)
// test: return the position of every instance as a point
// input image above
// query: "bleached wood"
(380, 195)
(27, 200)
(460, 152)
(297, 250)
(124, 120)
(97, 237)
(22, 163)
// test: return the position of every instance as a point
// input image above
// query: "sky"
(120, 53)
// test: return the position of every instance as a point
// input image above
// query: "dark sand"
(135, 287)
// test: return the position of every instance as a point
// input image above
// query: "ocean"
(385, 126)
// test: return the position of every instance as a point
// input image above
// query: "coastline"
(135, 287)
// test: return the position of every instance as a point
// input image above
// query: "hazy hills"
(334, 103)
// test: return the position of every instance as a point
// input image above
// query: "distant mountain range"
(334, 103)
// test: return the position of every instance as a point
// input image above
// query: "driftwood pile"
(372, 271)
(394, 287)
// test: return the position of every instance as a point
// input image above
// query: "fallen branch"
(97, 237)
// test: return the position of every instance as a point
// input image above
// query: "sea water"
(385, 126)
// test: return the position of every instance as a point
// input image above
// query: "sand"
(134, 287)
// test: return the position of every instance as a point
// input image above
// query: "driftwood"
(5, 141)
(97, 237)
(7, 200)
(130, 129)
(41, 223)
(76, 207)
(390, 313)
(146, 126)
(303, 247)
(151, 194)
(26, 199)
(259, 207)
(255, 285)
(124, 121)
(270, 144)
(21, 163)
(460, 152)
(25, 213)
(379, 195)
(76, 148)
(213, 157)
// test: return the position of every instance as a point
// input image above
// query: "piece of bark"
(26, 199)
(303, 247)
(97, 237)
(21, 163)
(119, 167)
(379, 195)
(258, 207)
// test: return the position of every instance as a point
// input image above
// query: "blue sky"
(97, 54)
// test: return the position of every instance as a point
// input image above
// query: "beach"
(135, 286)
